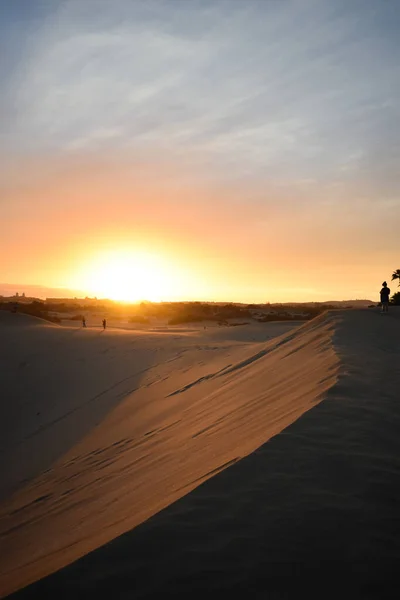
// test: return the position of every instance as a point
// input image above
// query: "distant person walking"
(83, 322)
(385, 293)
(104, 323)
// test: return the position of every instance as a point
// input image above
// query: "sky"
(200, 149)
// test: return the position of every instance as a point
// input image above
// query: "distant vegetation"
(174, 313)
(198, 312)
(395, 299)
(35, 309)
(396, 275)
(138, 319)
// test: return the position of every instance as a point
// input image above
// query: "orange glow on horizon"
(150, 234)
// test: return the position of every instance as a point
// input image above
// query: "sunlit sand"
(274, 437)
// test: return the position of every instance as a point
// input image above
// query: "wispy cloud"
(291, 89)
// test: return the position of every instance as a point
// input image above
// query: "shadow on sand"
(314, 511)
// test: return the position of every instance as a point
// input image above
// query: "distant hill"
(336, 303)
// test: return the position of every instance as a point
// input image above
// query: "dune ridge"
(251, 419)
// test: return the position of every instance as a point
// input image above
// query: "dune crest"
(182, 425)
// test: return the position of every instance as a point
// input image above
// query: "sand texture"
(260, 459)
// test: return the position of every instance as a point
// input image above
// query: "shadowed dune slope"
(304, 494)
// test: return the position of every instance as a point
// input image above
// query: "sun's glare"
(129, 277)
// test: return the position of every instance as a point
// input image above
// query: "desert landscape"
(262, 458)
(199, 299)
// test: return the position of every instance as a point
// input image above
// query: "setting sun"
(128, 276)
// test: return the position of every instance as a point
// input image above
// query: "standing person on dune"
(385, 293)
(104, 323)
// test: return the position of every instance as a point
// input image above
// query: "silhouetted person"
(104, 323)
(83, 322)
(385, 293)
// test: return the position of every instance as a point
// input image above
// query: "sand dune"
(303, 494)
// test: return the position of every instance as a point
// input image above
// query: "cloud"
(289, 90)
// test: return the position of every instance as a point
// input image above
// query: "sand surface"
(275, 454)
